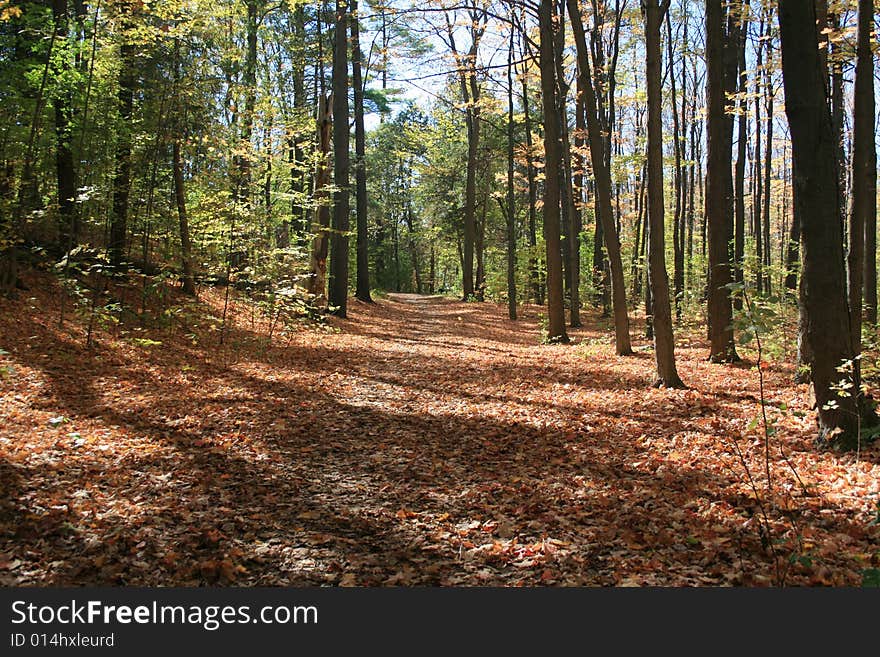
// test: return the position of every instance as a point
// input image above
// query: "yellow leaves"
(8, 12)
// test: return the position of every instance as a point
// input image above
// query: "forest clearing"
(422, 441)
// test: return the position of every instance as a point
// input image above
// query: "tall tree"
(534, 274)
(337, 296)
(547, 21)
(864, 158)
(571, 224)
(739, 195)
(664, 341)
(602, 175)
(769, 94)
(125, 105)
(510, 210)
(864, 172)
(466, 66)
(189, 286)
(721, 61)
(64, 169)
(825, 312)
(362, 287)
(242, 178)
(677, 242)
(317, 280)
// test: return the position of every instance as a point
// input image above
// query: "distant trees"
(240, 142)
(466, 63)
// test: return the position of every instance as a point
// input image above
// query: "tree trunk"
(413, 248)
(298, 176)
(768, 165)
(317, 282)
(867, 173)
(122, 176)
(836, 55)
(470, 95)
(719, 185)
(511, 210)
(757, 197)
(362, 287)
(864, 174)
(470, 204)
(599, 261)
(337, 297)
(534, 275)
(792, 253)
(65, 175)
(602, 175)
(242, 161)
(178, 113)
(677, 250)
(636, 264)
(664, 341)
(185, 242)
(552, 178)
(824, 311)
(480, 249)
(570, 223)
(571, 219)
(692, 185)
(739, 194)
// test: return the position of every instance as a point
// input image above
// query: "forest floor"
(421, 441)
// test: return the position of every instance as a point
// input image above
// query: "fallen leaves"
(430, 443)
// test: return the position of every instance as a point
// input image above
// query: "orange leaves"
(410, 447)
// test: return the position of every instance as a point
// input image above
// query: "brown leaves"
(422, 444)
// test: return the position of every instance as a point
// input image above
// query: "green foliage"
(288, 308)
(543, 328)
(871, 578)
(757, 316)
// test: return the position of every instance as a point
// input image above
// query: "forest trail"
(419, 442)
(416, 299)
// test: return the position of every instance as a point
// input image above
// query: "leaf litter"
(419, 442)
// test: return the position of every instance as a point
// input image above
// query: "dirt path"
(422, 441)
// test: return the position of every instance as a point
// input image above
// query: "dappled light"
(420, 441)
